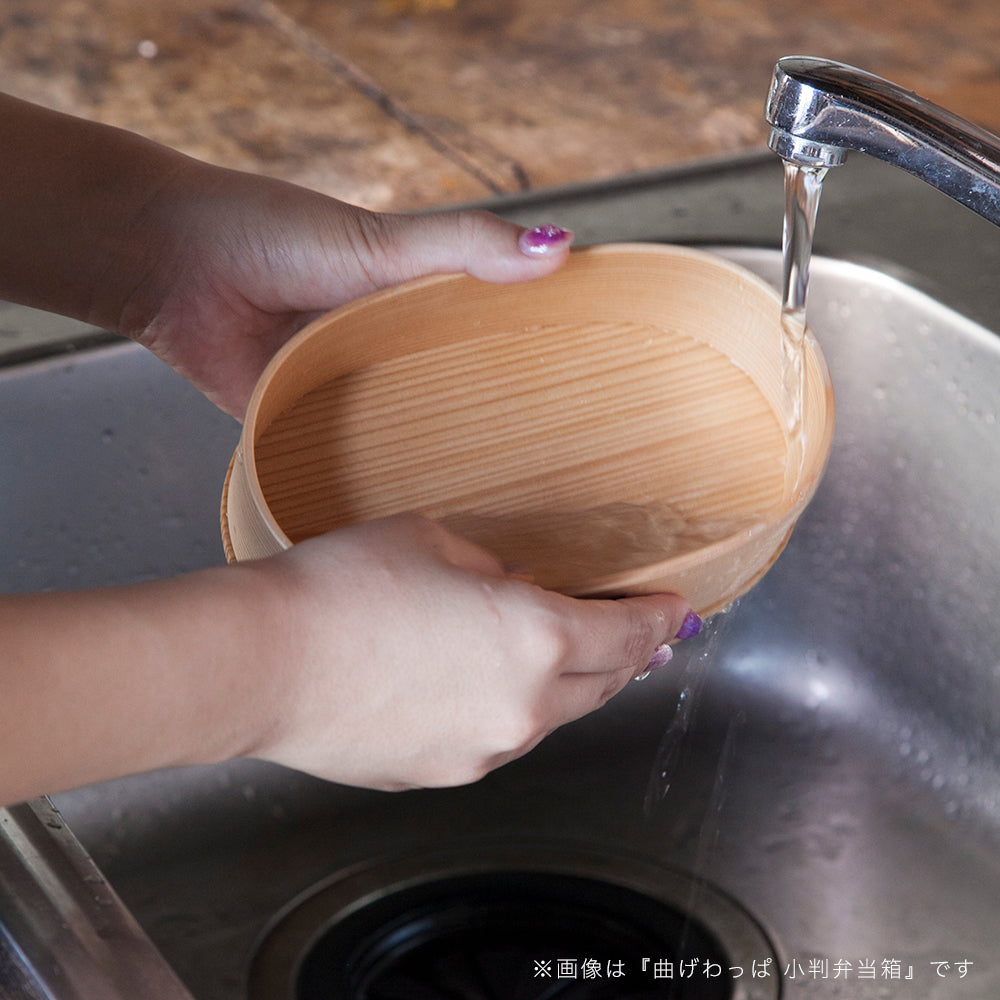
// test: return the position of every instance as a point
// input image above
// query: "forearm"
(387, 655)
(76, 235)
(103, 683)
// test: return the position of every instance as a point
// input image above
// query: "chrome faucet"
(818, 110)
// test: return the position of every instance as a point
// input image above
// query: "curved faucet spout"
(819, 110)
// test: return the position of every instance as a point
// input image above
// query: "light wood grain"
(616, 428)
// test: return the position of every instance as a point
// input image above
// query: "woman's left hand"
(248, 260)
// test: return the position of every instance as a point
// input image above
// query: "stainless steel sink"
(822, 767)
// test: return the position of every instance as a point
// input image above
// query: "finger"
(580, 694)
(449, 547)
(577, 694)
(623, 635)
(476, 242)
(467, 556)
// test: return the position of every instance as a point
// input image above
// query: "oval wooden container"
(618, 427)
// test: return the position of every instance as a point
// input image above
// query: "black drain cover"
(515, 936)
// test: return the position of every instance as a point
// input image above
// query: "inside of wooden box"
(578, 447)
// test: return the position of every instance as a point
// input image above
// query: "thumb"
(476, 242)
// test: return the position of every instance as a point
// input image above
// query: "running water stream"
(803, 186)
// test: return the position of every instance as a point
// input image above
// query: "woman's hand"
(246, 261)
(212, 269)
(406, 657)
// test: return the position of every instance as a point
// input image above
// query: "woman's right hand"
(407, 658)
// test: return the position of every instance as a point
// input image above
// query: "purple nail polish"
(690, 627)
(543, 239)
(662, 655)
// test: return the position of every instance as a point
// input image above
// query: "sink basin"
(820, 767)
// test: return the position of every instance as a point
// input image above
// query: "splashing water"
(670, 755)
(711, 825)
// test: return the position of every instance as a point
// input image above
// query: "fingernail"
(690, 627)
(543, 239)
(662, 655)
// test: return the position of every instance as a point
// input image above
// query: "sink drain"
(513, 923)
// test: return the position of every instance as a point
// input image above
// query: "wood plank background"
(404, 104)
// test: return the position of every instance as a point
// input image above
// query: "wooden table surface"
(404, 104)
